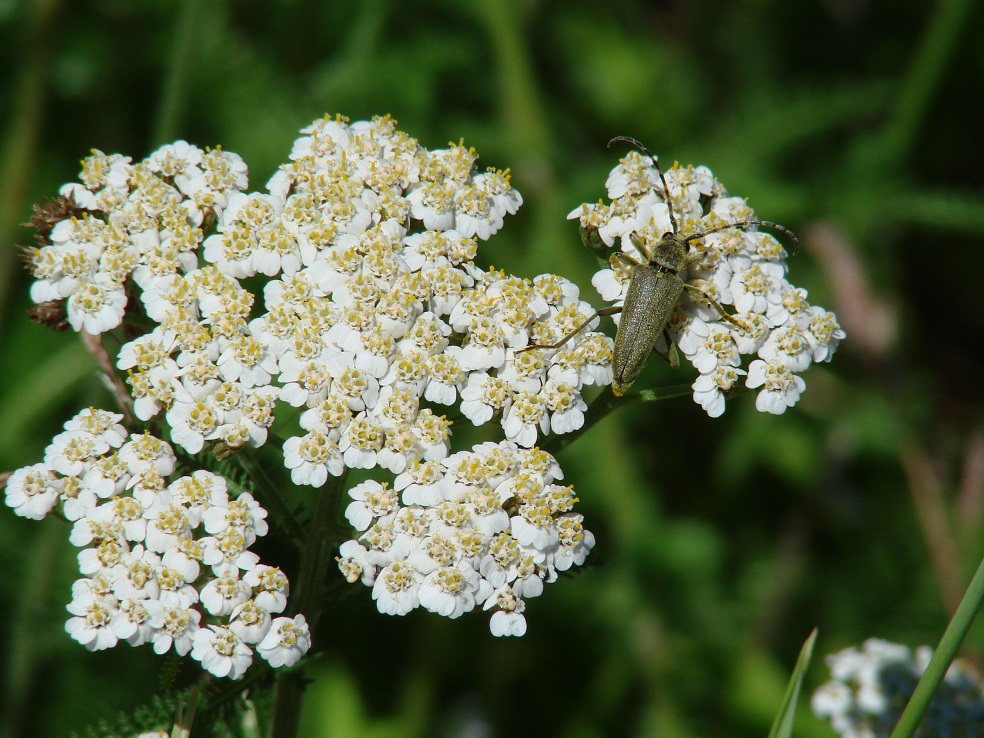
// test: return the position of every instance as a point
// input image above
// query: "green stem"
(272, 498)
(955, 632)
(316, 554)
(669, 393)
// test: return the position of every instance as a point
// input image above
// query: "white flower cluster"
(376, 315)
(377, 305)
(486, 527)
(385, 310)
(136, 221)
(158, 553)
(739, 267)
(871, 687)
(202, 365)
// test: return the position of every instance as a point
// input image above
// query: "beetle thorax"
(670, 254)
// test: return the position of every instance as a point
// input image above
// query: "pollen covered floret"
(164, 559)
(485, 528)
(742, 268)
(870, 687)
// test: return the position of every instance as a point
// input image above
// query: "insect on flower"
(657, 283)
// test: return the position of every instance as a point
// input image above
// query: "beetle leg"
(717, 306)
(695, 256)
(623, 257)
(639, 246)
(613, 310)
(671, 356)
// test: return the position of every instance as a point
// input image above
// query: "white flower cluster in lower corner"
(871, 686)
(482, 528)
(742, 268)
(165, 560)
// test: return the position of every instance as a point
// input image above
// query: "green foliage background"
(721, 543)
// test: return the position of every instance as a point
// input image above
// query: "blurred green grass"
(721, 543)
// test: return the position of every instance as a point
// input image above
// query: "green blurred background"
(721, 543)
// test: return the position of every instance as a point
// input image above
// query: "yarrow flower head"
(739, 268)
(340, 313)
(482, 528)
(164, 559)
(140, 221)
(872, 685)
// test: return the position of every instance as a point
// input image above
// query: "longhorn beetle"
(656, 285)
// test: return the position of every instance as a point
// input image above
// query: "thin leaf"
(782, 726)
(942, 657)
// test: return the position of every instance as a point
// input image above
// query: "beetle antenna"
(743, 223)
(666, 190)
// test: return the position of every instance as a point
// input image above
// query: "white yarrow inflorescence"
(375, 321)
(165, 559)
(373, 326)
(485, 527)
